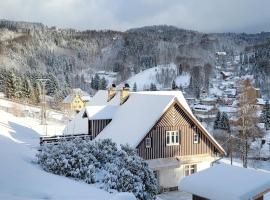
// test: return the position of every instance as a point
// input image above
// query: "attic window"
(196, 138)
(148, 142)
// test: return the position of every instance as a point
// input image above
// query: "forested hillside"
(70, 58)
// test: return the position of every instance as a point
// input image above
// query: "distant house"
(205, 113)
(225, 75)
(225, 182)
(73, 103)
(160, 125)
(210, 101)
(76, 100)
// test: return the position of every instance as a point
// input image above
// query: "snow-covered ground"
(28, 110)
(157, 76)
(22, 179)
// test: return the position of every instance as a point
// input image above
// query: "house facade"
(73, 103)
(159, 125)
(76, 100)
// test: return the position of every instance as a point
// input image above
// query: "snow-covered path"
(21, 179)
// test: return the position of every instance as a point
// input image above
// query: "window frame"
(190, 169)
(196, 138)
(174, 138)
(148, 144)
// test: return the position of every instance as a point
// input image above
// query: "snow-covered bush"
(69, 158)
(123, 170)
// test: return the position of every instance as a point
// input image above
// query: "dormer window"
(172, 138)
(148, 142)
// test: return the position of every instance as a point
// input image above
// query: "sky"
(201, 15)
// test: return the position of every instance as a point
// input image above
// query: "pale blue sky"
(201, 15)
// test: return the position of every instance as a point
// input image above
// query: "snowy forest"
(70, 58)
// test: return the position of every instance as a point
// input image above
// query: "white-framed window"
(172, 138)
(190, 169)
(196, 138)
(148, 142)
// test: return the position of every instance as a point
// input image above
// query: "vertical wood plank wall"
(175, 120)
(96, 126)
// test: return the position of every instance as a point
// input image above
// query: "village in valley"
(93, 108)
(175, 134)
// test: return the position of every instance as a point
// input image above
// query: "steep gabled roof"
(135, 118)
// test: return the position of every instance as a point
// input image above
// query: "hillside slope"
(73, 56)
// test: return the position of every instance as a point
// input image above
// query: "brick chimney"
(111, 92)
(124, 94)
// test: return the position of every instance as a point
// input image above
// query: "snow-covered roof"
(86, 98)
(225, 182)
(68, 99)
(100, 112)
(260, 101)
(221, 53)
(101, 98)
(202, 107)
(226, 73)
(134, 119)
(227, 109)
(79, 125)
(209, 99)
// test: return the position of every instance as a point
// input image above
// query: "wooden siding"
(96, 126)
(175, 119)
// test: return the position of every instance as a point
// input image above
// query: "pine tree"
(11, 85)
(95, 82)
(217, 121)
(102, 84)
(224, 122)
(26, 88)
(134, 87)
(52, 85)
(153, 87)
(266, 115)
(174, 85)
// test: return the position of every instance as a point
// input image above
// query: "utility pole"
(43, 103)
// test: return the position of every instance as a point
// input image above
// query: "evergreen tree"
(52, 85)
(224, 122)
(95, 82)
(153, 87)
(26, 88)
(134, 87)
(102, 84)
(174, 85)
(266, 115)
(217, 121)
(11, 85)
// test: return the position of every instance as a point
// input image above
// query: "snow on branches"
(100, 161)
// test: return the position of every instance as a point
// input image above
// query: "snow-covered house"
(160, 125)
(205, 113)
(225, 182)
(76, 100)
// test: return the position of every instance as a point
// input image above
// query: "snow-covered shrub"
(129, 173)
(123, 170)
(69, 158)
